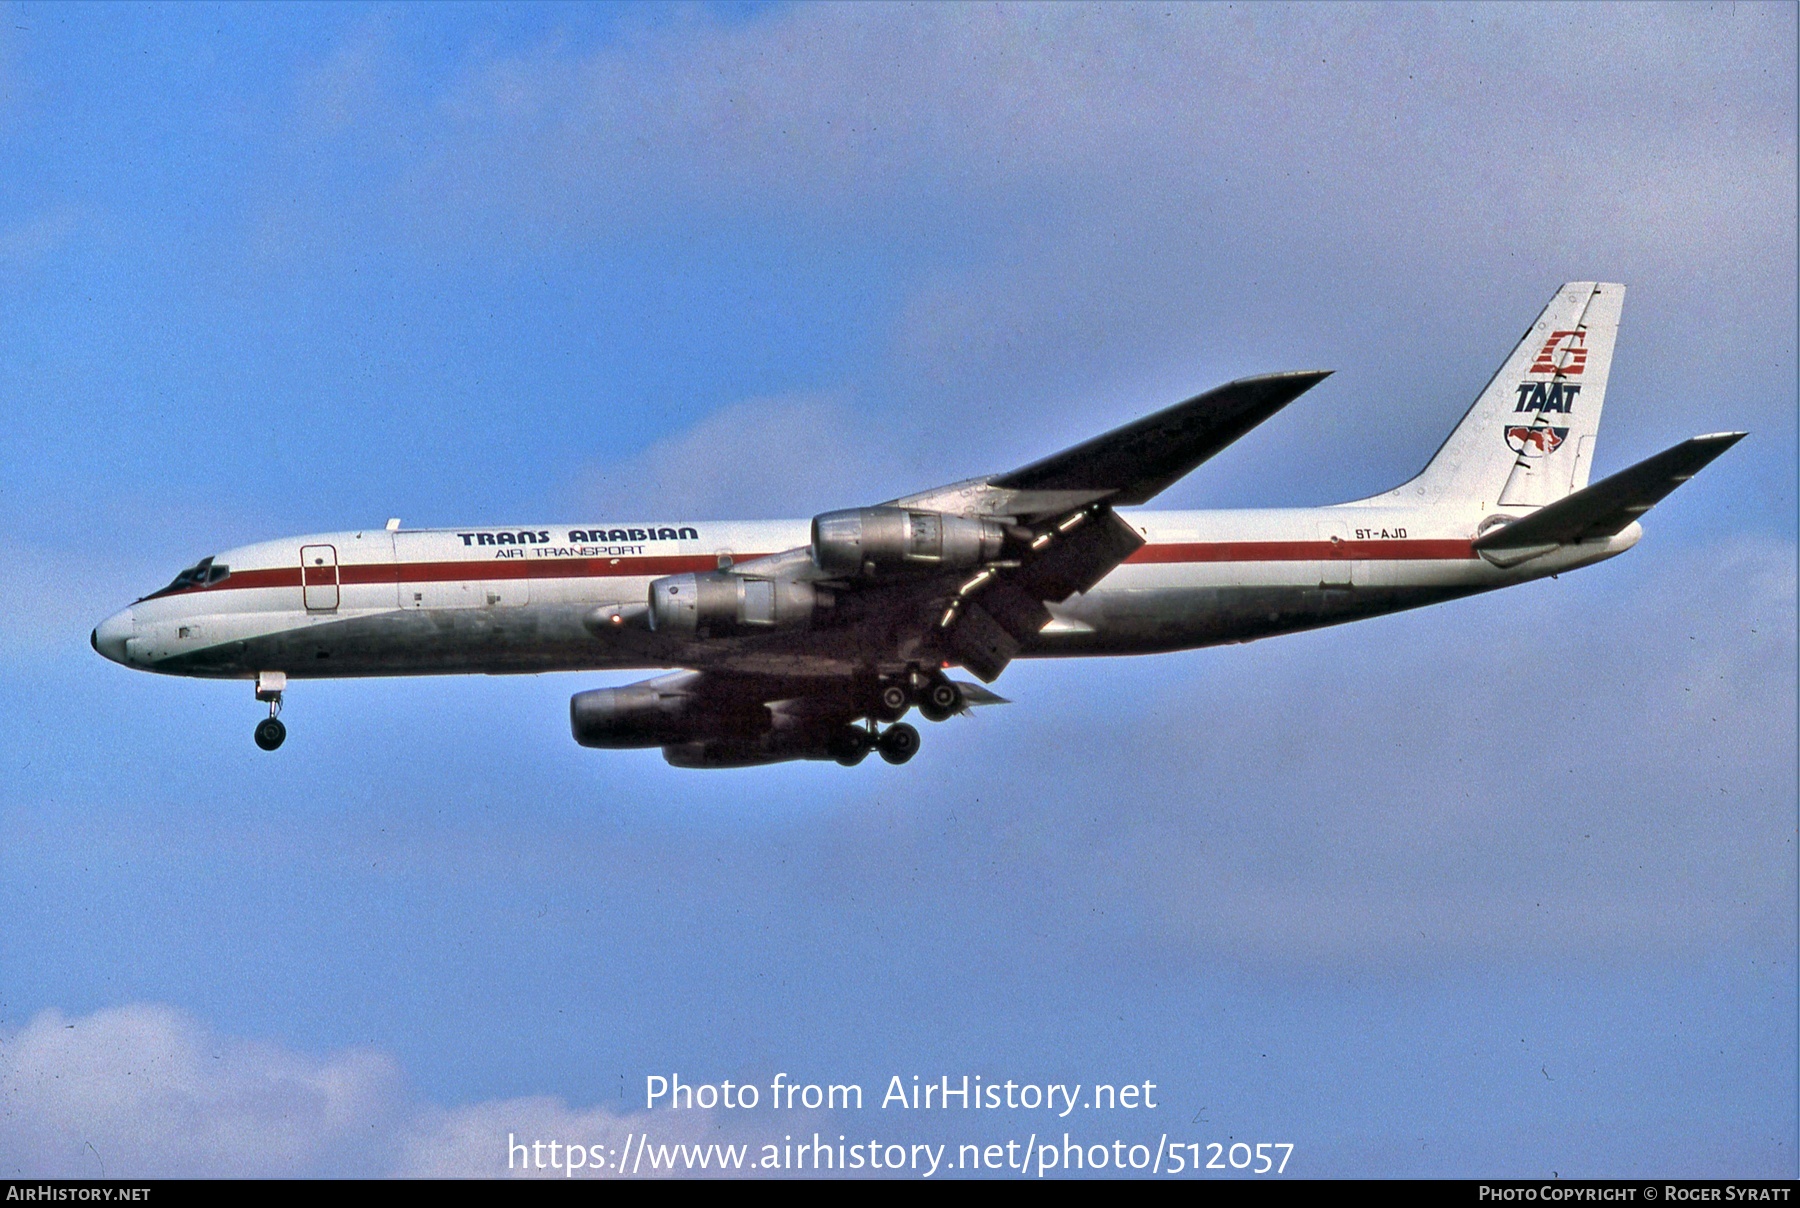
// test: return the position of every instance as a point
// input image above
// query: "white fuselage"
(549, 597)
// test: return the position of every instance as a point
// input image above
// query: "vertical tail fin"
(1529, 438)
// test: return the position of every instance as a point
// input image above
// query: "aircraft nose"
(109, 636)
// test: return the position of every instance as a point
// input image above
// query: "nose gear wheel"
(270, 733)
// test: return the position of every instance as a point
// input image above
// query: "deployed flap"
(999, 610)
(1136, 462)
(1077, 556)
(1612, 503)
(981, 643)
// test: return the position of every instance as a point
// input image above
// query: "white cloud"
(1090, 187)
(475, 1142)
(759, 459)
(1400, 136)
(146, 1091)
(1113, 207)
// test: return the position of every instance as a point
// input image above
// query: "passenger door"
(319, 577)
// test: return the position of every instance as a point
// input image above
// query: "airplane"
(812, 639)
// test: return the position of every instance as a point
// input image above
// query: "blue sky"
(1502, 887)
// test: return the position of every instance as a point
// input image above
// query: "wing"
(884, 598)
(1062, 535)
(1065, 503)
(1131, 464)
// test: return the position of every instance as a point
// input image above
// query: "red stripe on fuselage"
(1304, 551)
(461, 572)
(614, 568)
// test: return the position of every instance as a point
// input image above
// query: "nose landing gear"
(270, 733)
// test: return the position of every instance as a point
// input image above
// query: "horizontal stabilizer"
(1131, 464)
(1608, 506)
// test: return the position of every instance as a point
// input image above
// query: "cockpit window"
(200, 574)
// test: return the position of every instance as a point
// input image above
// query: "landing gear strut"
(270, 733)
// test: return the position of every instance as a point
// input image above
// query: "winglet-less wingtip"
(1137, 461)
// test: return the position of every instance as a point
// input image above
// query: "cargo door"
(319, 577)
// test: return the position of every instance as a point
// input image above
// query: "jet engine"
(865, 540)
(637, 715)
(685, 604)
(655, 713)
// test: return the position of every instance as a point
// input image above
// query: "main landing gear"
(270, 733)
(940, 700)
(936, 697)
(896, 744)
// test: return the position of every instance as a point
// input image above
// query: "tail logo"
(1532, 441)
(1572, 343)
(1548, 396)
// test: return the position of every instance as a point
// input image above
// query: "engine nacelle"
(650, 715)
(636, 715)
(778, 745)
(719, 602)
(860, 540)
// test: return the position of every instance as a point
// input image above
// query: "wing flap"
(1078, 555)
(981, 643)
(1018, 611)
(997, 614)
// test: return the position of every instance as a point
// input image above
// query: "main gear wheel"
(898, 743)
